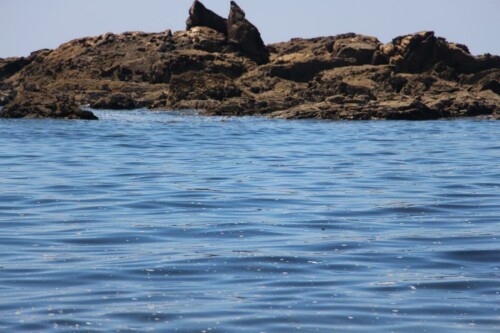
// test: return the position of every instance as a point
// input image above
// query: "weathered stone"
(361, 48)
(11, 66)
(200, 16)
(492, 85)
(305, 70)
(116, 102)
(30, 105)
(245, 35)
(347, 76)
(420, 52)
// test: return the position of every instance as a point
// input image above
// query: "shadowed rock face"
(421, 51)
(33, 105)
(245, 35)
(347, 76)
(200, 16)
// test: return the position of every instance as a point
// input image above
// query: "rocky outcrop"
(245, 36)
(348, 76)
(116, 102)
(33, 105)
(200, 16)
(11, 66)
(358, 47)
(422, 51)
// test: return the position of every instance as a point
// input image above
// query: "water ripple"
(150, 221)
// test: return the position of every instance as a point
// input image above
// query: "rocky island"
(222, 67)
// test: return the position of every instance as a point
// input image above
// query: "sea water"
(170, 222)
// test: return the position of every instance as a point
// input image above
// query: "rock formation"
(34, 105)
(245, 35)
(229, 71)
(420, 52)
(200, 16)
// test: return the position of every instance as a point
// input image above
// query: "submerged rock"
(222, 67)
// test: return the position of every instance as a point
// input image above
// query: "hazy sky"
(29, 25)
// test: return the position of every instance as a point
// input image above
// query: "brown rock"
(245, 36)
(361, 48)
(347, 76)
(116, 102)
(199, 86)
(11, 66)
(414, 111)
(200, 16)
(201, 38)
(304, 70)
(421, 51)
(492, 85)
(29, 105)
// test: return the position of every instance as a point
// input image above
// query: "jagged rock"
(416, 110)
(200, 16)
(361, 48)
(347, 76)
(379, 58)
(304, 70)
(196, 86)
(201, 38)
(245, 35)
(492, 85)
(10, 66)
(31, 105)
(421, 51)
(116, 102)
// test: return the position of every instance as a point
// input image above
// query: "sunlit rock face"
(222, 67)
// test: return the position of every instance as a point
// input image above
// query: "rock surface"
(245, 35)
(200, 16)
(231, 72)
(36, 105)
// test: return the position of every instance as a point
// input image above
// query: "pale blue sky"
(29, 25)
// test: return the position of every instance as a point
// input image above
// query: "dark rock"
(225, 69)
(477, 108)
(29, 105)
(306, 69)
(418, 85)
(203, 39)
(412, 53)
(11, 66)
(420, 52)
(116, 102)
(414, 111)
(397, 83)
(350, 90)
(7, 94)
(361, 48)
(492, 85)
(445, 72)
(200, 16)
(379, 58)
(246, 36)
(198, 86)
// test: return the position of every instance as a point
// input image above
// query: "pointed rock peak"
(245, 36)
(236, 12)
(200, 16)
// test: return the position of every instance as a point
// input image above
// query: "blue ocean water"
(171, 222)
